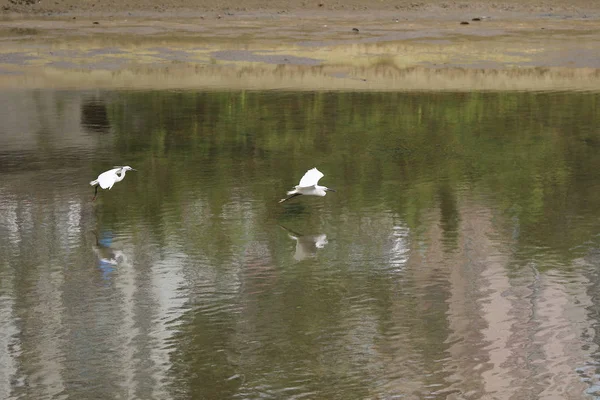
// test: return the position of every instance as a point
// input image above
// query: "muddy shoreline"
(431, 46)
(178, 8)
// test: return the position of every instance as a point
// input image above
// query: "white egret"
(107, 179)
(308, 186)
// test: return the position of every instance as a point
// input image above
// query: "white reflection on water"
(307, 245)
(513, 334)
(9, 225)
(74, 219)
(400, 249)
(9, 344)
(171, 293)
(154, 296)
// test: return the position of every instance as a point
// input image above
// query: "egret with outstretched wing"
(309, 186)
(107, 179)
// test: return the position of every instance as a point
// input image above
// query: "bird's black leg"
(290, 196)
(95, 193)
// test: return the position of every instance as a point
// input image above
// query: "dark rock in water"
(355, 30)
(464, 23)
(476, 19)
(96, 22)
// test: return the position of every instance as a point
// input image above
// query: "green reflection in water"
(534, 156)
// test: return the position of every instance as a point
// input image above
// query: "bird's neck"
(121, 176)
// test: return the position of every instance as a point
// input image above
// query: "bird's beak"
(133, 169)
(330, 190)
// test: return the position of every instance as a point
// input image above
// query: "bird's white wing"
(107, 179)
(321, 241)
(310, 178)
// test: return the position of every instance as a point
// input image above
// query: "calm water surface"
(459, 258)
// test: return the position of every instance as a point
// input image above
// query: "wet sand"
(459, 46)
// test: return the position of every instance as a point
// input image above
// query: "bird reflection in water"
(108, 257)
(306, 245)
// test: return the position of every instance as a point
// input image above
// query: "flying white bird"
(107, 179)
(308, 186)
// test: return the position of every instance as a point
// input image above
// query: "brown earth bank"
(281, 6)
(301, 45)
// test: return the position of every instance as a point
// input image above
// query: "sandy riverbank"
(171, 8)
(347, 45)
